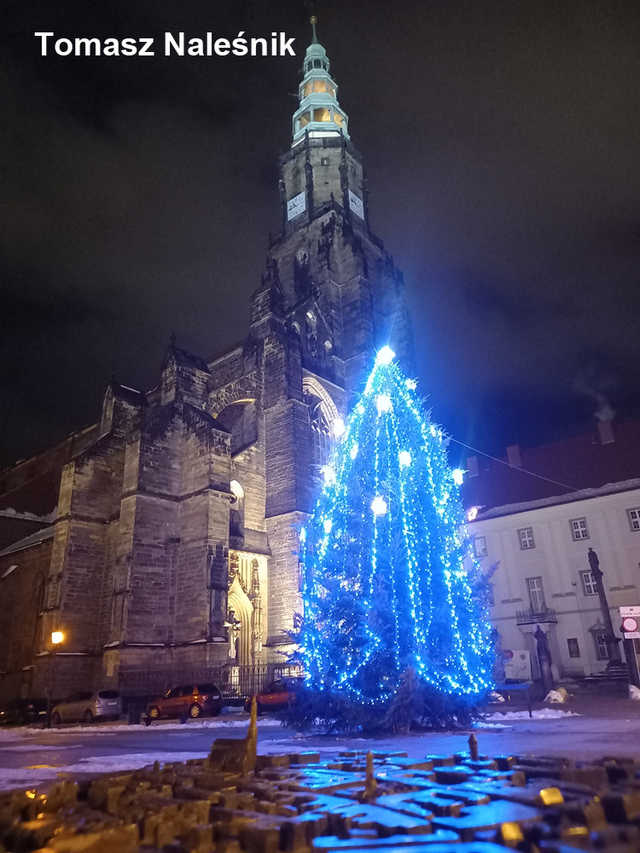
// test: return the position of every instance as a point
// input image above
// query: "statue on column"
(615, 661)
(544, 659)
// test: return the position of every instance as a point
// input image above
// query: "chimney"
(514, 458)
(605, 432)
(604, 420)
(472, 466)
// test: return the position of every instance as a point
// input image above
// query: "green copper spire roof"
(319, 113)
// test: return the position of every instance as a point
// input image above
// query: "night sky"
(501, 141)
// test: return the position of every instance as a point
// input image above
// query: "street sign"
(630, 627)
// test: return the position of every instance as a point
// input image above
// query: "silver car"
(86, 707)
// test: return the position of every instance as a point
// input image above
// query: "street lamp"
(57, 638)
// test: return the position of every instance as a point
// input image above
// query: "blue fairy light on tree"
(386, 589)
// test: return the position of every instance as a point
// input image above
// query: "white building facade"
(536, 553)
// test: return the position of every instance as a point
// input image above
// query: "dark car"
(19, 712)
(277, 696)
(188, 700)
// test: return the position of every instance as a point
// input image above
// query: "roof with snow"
(554, 500)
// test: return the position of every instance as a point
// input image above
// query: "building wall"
(559, 560)
(22, 596)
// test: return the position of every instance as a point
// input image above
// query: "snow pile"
(634, 692)
(558, 696)
(540, 714)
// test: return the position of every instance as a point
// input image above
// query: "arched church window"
(311, 333)
(321, 437)
(323, 414)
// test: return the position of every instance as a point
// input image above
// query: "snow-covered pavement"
(37, 757)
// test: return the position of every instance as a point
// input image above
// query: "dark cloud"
(501, 143)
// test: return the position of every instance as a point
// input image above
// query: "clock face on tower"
(296, 205)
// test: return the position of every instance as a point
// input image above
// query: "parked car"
(189, 700)
(277, 696)
(19, 712)
(86, 707)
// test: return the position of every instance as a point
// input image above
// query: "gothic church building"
(162, 540)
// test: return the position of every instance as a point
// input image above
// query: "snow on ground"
(14, 732)
(539, 714)
(13, 777)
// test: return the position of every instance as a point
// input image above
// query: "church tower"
(340, 290)
(330, 297)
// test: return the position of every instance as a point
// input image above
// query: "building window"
(589, 586)
(573, 646)
(525, 535)
(536, 595)
(579, 529)
(634, 518)
(480, 546)
(602, 649)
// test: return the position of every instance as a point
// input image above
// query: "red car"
(187, 701)
(277, 696)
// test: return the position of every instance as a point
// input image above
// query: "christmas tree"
(385, 556)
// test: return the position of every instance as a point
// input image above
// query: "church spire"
(319, 113)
